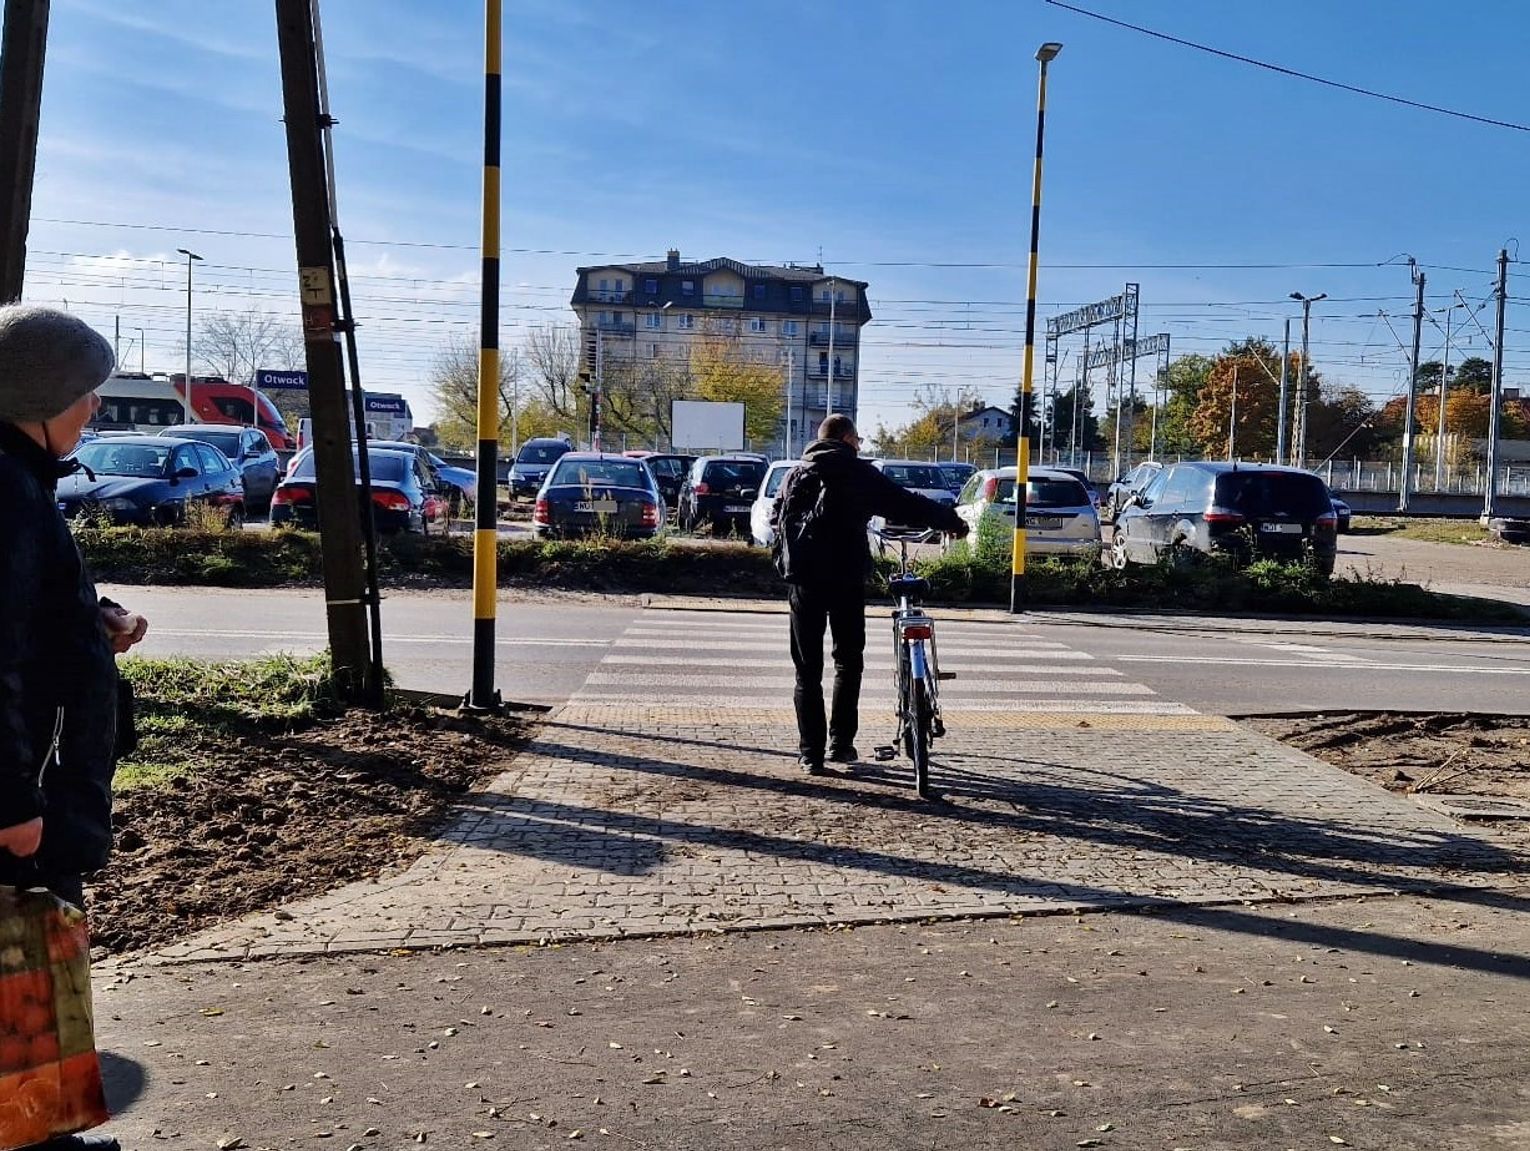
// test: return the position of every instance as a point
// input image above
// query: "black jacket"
(57, 675)
(854, 491)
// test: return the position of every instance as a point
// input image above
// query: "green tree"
(454, 386)
(1067, 409)
(1473, 374)
(1182, 384)
(725, 372)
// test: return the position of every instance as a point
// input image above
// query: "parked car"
(1342, 511)
(454, 484)
(533, 462)
(1241, 511)
(1125, 487)
(404, 493)
(926, 479)
(248, 450)
(1082, 477)
(589, 492)
(1059, 516)
(669, 470)
(760, 531)
(150, 481)
(956, 475)
(718, 492)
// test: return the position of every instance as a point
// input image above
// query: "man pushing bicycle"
(822, 552)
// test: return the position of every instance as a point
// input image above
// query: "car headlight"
(117, 504)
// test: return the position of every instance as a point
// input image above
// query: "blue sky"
(893, 137)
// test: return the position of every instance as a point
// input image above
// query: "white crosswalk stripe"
(713, 660)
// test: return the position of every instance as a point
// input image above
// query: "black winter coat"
(854, 491)
(58, 678)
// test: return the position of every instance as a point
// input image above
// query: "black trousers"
(843, 610)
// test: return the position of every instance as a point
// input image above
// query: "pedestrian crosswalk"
(708, 660)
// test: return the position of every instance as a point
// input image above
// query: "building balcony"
(709, 300)
(617, 328)
(605, 296)
(848, 309)
(821, 371)
(841, 339)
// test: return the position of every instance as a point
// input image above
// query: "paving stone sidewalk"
(626, 820)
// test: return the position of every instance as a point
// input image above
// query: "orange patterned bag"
(50, 1076)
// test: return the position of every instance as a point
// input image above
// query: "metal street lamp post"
(1044, 56)
(190, 257)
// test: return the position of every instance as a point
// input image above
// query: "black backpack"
(798, 549)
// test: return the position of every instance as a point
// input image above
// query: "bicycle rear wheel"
(921, 722)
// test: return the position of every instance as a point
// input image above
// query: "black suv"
(1127, 486)
(1242, 511)
(718, 490)
(669, 470)
(533, 462)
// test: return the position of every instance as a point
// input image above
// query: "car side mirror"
(186, 473)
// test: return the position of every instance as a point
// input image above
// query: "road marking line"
(704, 706)
(322, 638)
(1414, 667)
(645, 643)
(873, 664)
(636, 680)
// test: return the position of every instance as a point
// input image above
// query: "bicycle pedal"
(945, 675)
(886, 752)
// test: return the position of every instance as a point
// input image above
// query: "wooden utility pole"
(339, 515)
(21, 79)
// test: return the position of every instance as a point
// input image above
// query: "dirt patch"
(270, 814)
(1412, 753)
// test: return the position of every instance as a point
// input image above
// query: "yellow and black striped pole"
(1046, 54)
(483, 696)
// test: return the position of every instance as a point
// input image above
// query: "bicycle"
(917, 661)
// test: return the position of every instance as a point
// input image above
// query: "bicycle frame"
(917, 661)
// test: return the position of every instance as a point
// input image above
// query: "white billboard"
(702, 426)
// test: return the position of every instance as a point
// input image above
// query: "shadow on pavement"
(124, 1079)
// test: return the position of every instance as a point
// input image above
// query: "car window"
(111, 459)
(212, 464)
(1055, 493)
(774, 480)
(1259, 493)
(386, 467)
(668, 468)
(186, 457)
(1154, 488)
(1176, 491)
(541, 453)
(733, 473)
(582, 473)
(970, 489)
(915, 475)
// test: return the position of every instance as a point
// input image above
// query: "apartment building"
(803, 322)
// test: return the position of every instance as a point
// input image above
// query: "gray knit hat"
(48, 359)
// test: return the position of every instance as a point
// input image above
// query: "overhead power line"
(1293, 73)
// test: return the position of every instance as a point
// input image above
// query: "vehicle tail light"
(391, 501)
(542, 513)
(991, 489)
(919, 631)
(702, 489)
(1223, 516)
(1327, 520)
(650, 515)
(286, 497)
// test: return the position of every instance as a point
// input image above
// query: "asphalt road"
(547, 646)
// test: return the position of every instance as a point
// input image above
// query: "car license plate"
(736, 509)
(1044, 523)
(598, 507)
(1282, 529)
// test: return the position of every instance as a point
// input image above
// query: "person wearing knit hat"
(60, 698)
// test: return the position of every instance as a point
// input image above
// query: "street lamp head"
(1048, 51)
(1320, 296)
(1297, 296)
(190, 255)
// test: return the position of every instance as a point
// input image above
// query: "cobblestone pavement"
(665, 798)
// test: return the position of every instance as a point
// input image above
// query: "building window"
(796, 295)
(759, 291)
(653, 351)
(651, 286)
(605, 285)
(621, 285)
(687, 322)
(653, 320)
(789, 327)
(688, 287)
(756, 325)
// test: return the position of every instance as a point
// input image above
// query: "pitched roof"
(795, 273)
